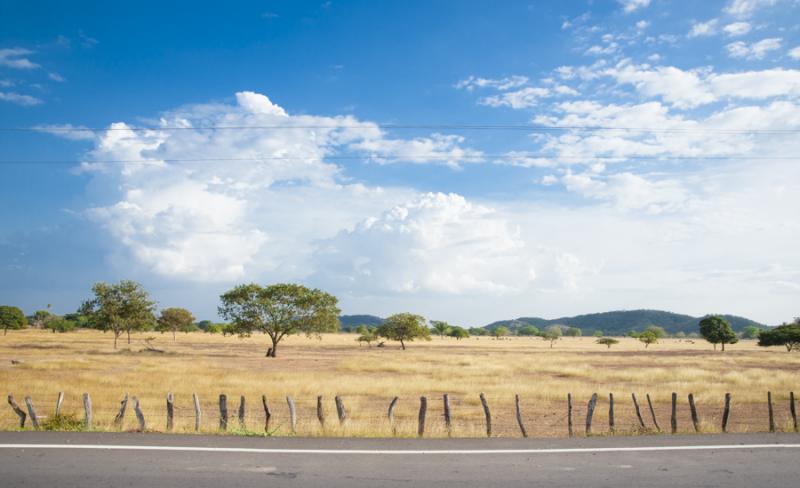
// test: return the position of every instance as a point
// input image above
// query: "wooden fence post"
(139, 415)
(340, 411)
(59, 401)
(771, 413)
(611, 426)
(519, 417)
(487, 414)
(390, 414)
(673, 420)
(87, 411)
(223, 412)
(320, 412)
(170, 410)
(20, 413)
(121, 414)
(267, 413)
(569, 413)
(197, 412)
(447, 423)
(32, 413)
(292, 414)
(242, 412)
(590, 413)
(653, 413)
(693, 409)
(423, 409)
(638, 411)
(726, 412)
(793, 410)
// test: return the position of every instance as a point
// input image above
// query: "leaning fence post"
(487, 414)
(223, 412)
(197, 413)
(292, 414)
(638, 411)
(673, 420)
(569, 413)
(447, 423)
(87, 411)
(170, 410)
(693, 409)
(32, 413)
(267, 413)
(611, 427)
(320, 412)
(340, 411)
(390, 414)
(22, 415)
(423, 409)
(59, 401)
(726, 413)
(771, 413)
(590, 413)
(242, 412)
(653, 413)
(121, 414)
(519, 417)
(793, 410)
(139, 414)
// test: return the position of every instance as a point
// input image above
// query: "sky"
(468, 161)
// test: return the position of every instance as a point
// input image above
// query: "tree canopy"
(552, 334)
(176, 319)
(12, 318)
(716, 330)
(787, 335)
(119, 307)
(648, 337)
(279, 310)
(607, 341)
(458, 332)
(404, 327)
(501, 331)
(441, 327)
(574, 332)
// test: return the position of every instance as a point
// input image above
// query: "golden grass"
(368, 378)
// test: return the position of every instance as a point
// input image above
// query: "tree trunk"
(173, 335)
(715, 346)
(274, 349)
(129, 336)
(402, 344)
(723, 347)
(115, 339)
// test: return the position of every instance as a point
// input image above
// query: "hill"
(621, 321)
(349, 322)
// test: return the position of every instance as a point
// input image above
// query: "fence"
(286, 416)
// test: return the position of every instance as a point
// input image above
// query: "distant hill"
(622, 321)
(352, 321)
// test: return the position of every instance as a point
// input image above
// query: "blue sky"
(631, 154)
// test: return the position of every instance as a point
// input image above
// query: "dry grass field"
(368, 378)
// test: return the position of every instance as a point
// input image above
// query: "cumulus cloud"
(704, 29)
(756, 50)
(746, 8)
(16, 57)
(795, 53)
(19, 99)
(735, 29)
(629, 6)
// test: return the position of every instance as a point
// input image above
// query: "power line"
(477, 127)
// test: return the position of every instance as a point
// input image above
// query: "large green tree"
(458, 332)
(11, 318)
(442, 328)
(175, 319)
(717, 330)
(787, 335)
(552, 334)
(119, 307)
(404, 327)
(501, 331)
(279, 310)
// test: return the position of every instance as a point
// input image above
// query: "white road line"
(244, 450)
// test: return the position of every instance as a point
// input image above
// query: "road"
(89, 460)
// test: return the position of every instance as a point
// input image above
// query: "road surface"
(90, 460)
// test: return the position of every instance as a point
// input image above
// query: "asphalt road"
(89, 460)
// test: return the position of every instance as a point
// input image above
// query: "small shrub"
(63, 422)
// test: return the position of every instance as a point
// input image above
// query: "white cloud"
(68, 131)
(24, 100)
(15, 57)
(795, 53)
(507, 83)
(735, 29)
(628, 191)
(523, 98)
(629, 6)
(758, 50)
(56, 77)
(642, 25)
(704, 29)
(604, 50)
(746, 8)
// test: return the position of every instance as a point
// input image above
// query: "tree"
(574, 332)
(205, 324)
(501, 331)
(680, 335)
(529, 330)
(597, 333)
(214, 329)
(442, 328)
(607, 341)
(458, 332)
(404, 327)
(787, 335)
(279, 310)
(175, 319)
(40, 318)
(648, 337)
(119, 307)
(750, 332)
(659, 332)
(12, 318)
(633, 333)
(368, 335)
(552, 334)
(478, 331)
(717, 330)
(61, 324)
